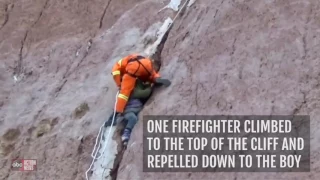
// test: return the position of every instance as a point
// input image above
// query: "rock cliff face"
(223, 56)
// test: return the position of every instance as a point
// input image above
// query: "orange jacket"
(120, 68)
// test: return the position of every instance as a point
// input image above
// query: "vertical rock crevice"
(104, 13)
(154, 52)
(18, 71)
(156, 57)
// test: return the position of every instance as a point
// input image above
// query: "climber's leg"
(131, 118)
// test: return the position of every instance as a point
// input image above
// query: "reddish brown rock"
(55, 56)
(224, 57)
(238, 57)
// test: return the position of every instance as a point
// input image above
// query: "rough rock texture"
(56, 89)
(239, 57)
(224, 57)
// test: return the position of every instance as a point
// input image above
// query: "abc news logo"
(24, 165)
(16, 164)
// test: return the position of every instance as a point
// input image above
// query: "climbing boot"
(161, 81)
(126, 135)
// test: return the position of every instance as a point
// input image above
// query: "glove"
(165, 82)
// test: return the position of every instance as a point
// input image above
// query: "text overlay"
(226, 143)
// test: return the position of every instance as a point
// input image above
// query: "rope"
(107, 139)
(114, 112)
(180, 10)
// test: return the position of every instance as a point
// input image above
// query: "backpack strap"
(138, 58)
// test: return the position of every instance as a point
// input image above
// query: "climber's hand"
(118, 115)
(117, 118)
(161, 81)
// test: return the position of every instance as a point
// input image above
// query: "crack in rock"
(103, 14)
(18, 71)
(59, 88)
(196, 97)
(156, 56)
(215, 14)
(40, 14)
(6, 18)
(85, 55)
(69, 72)
(304, 36)
(304, 101)
(233, 46)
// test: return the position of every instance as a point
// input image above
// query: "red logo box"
(24, 165)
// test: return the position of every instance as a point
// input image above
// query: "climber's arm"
(116, 70)
(158, 81)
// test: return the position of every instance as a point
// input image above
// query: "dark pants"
(130, 117)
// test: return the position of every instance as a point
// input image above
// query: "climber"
(141, 90)
(138, 98)
(125, 73)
